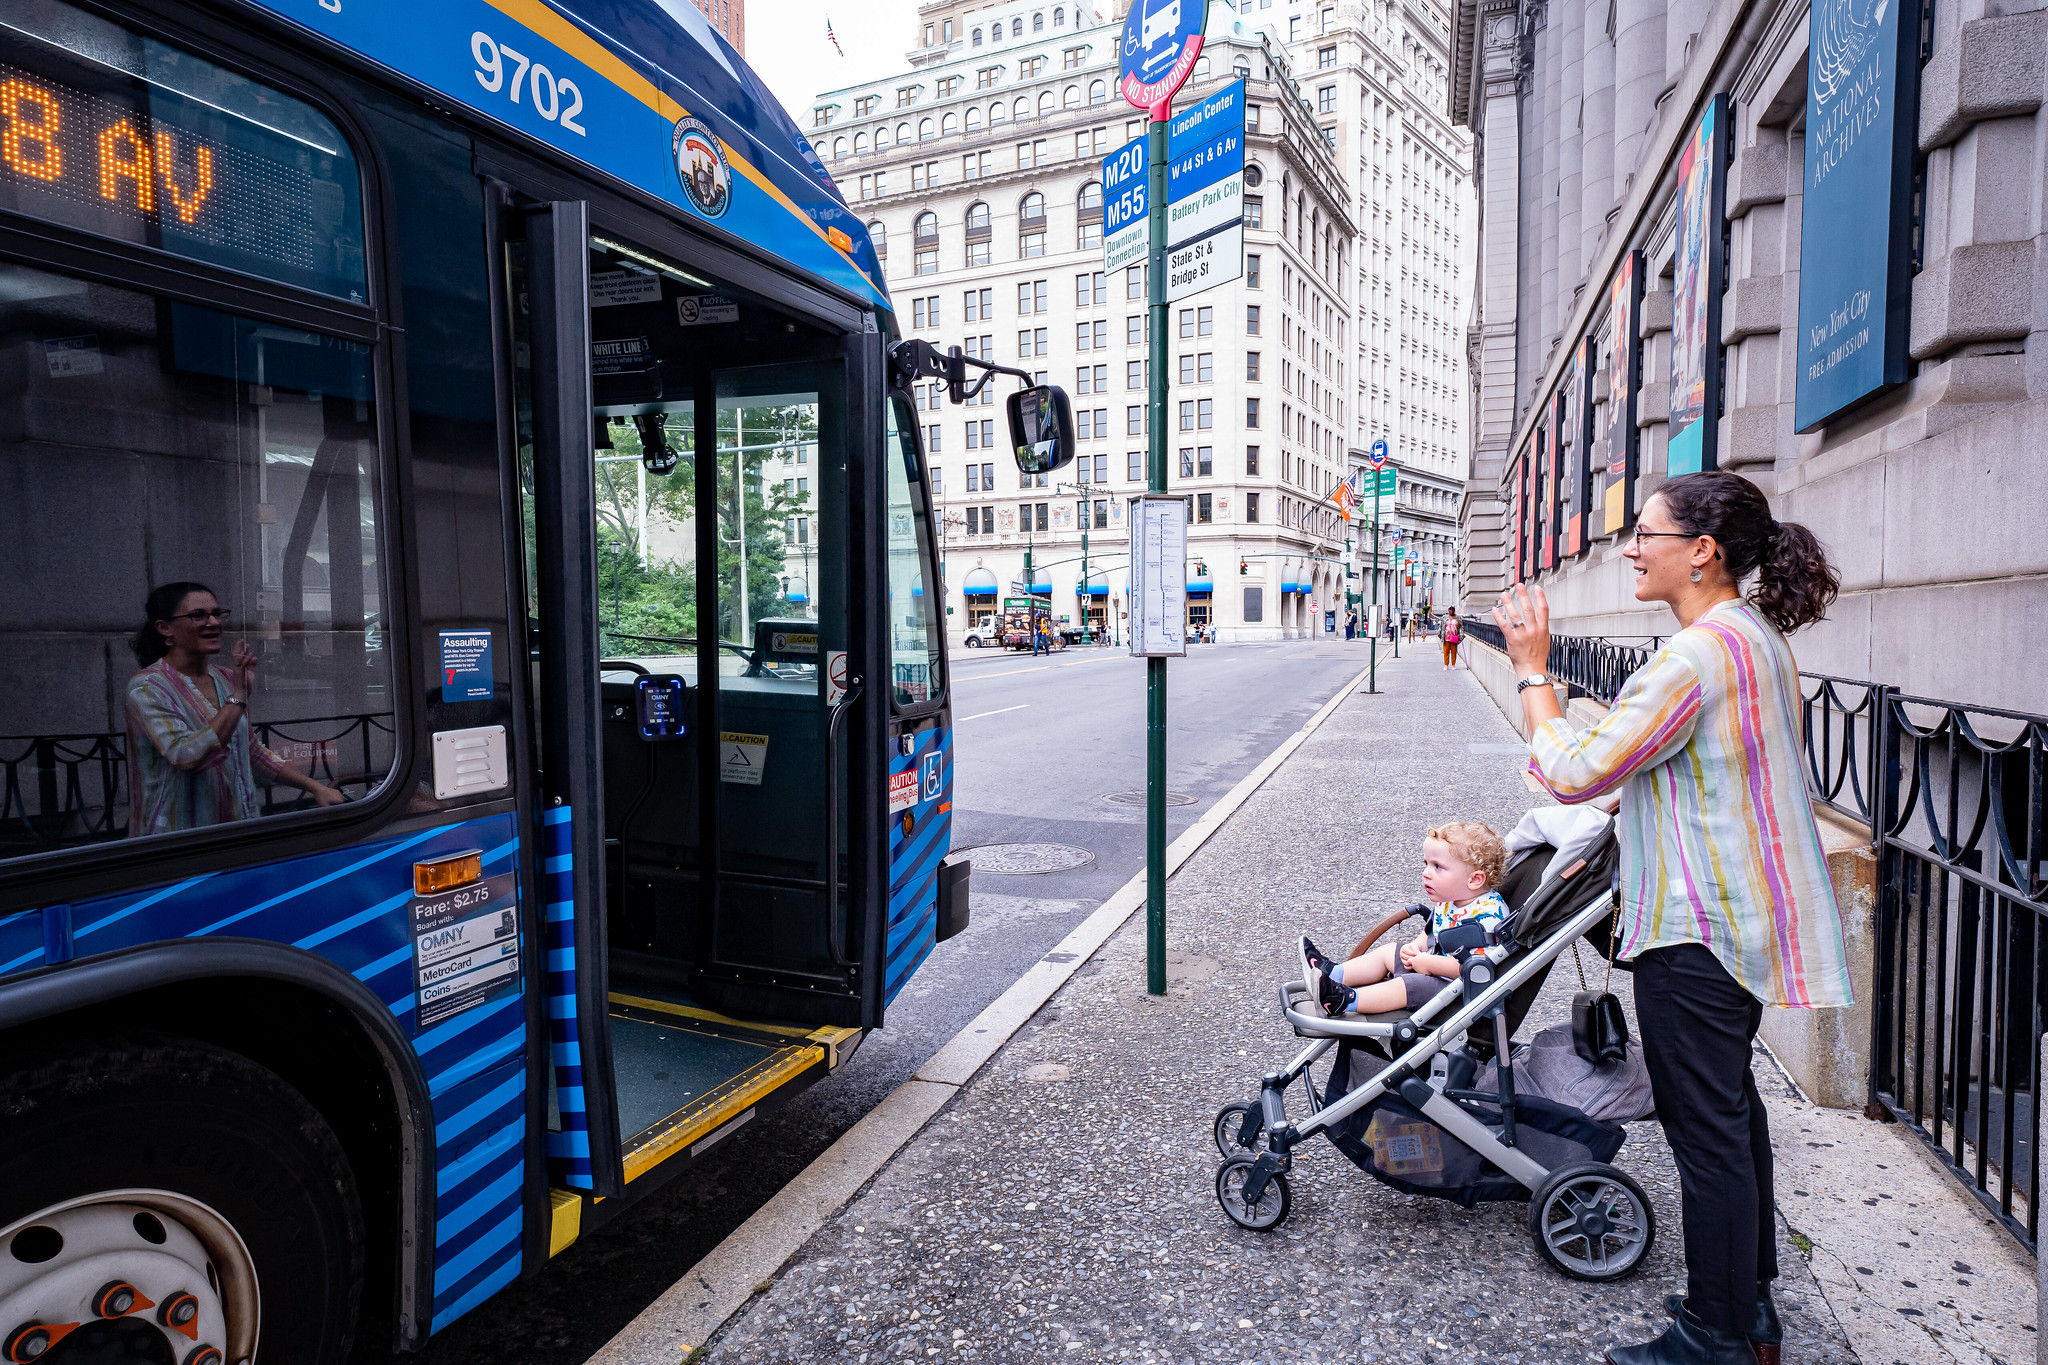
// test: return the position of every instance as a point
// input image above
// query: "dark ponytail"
(164, 600)
(1795, 584)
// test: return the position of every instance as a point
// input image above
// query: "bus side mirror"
(1041, 428)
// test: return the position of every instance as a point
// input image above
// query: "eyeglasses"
(200, 618)
(1641, 535)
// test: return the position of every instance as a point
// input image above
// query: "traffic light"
(1242, 568)
(1201, 569)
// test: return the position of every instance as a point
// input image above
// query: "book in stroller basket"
(1402, 1103)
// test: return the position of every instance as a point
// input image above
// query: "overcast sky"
(786, 44)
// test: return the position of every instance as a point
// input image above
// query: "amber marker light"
(447, 872)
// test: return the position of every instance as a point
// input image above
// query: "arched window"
(977, 38)
(839, 149)
(1059, 17)
(1243, 69)
(1031, 206)
(950, 124)
(878, 235)
(903, 132)
(1098, 93)
(1044, 102)
(1089, 200)
(997, 113)
(977, 217)
(860, 144)
(973, 117)
(1070, 98)
(1023, 107)
(1038, 22)
(927, 226)
(925, 130)
(1201, 66)
(1017, 27)
(881, 139)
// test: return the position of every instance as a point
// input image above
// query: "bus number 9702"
(555, 99)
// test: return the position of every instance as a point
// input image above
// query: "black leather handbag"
(1599, 1027)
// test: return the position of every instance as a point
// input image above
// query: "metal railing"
(1590, 665)
(1962, 950)
(62, 791)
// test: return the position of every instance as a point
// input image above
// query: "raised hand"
(244, 669)
(1523, 616)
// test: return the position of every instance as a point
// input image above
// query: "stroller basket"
(1400, 1105)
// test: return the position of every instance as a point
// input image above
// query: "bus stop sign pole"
(1160, 43)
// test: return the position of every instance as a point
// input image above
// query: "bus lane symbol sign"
(741, 758)
(465, 947)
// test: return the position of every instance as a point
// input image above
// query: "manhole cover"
(1020, 859)
(1137, 798)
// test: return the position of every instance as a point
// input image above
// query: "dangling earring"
(1695, 575)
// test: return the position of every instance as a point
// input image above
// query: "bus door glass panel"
(916, 661)
(146, 443)
(780, 490)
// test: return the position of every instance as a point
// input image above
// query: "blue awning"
(796, 595)
(1041, 587)
(979, 592)
(1092, 590)
(917, 589)
(1200, 585)
(1290, 587)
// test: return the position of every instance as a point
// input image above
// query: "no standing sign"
(1161, 40)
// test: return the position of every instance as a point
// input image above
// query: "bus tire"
(142, 1117)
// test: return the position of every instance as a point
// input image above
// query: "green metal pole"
(1087, 599)
(1030, 591)
(1155, 668)
(1372, 683)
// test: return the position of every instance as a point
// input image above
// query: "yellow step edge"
(708, 1016)
(694, 1122)
(566, 1206)
(829, 1038)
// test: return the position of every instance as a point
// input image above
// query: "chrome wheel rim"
(155, 1258)
(1231, 1187)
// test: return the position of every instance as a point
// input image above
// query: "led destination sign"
(175, 153)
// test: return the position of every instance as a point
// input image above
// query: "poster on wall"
(1545, 503)
(1855, 254)
(1518, 503)
(1575, 448)
(1698, 263)
(1622, 356)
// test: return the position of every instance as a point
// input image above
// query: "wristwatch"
(236, 701)
(1533, 680)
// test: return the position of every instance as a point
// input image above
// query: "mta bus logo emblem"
(934, 774)
(702, 167)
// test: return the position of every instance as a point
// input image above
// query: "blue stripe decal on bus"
(352, 906)
(914, 860)
(568, 1147)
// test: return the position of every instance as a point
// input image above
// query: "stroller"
(1401, 1104)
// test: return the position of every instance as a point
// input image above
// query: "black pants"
(1699, 1026)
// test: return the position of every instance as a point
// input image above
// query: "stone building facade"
(981, 170)
(1928, 495)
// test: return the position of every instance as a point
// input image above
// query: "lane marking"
(999, 711)
(692, 1310)
(1012, 672)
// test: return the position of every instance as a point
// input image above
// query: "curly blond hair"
(1477, 843)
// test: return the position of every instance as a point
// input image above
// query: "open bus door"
(707, 793)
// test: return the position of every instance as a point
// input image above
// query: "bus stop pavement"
(1060, 1205)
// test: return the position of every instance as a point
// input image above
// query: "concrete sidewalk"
(1061, 1205)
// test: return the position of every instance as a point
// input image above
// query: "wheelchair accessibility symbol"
(934, 773)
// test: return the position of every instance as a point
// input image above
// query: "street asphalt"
(1041, 742)
(1061, 1207)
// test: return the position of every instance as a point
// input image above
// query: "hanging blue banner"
(1855, 254)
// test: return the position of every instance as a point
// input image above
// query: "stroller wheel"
(1271, 1209)
(1592, 1222)
(1238, 1127)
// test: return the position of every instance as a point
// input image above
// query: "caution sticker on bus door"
(465, 947)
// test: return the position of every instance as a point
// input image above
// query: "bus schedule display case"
(429, 817)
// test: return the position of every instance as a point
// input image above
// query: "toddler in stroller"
(1401, 1100)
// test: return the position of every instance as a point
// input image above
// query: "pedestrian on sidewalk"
(1727, 905)
(1452, 638)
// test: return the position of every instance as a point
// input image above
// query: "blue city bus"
(381, 903)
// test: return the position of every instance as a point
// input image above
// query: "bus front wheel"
(208, 1204)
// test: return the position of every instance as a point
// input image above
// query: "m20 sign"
(1161, 40)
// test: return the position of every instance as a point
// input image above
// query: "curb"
(692, 1310)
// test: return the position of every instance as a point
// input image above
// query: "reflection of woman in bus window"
(191, 756)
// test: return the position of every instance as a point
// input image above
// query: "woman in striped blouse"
(1727, 905)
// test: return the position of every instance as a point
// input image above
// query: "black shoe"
(1335, 999)
(1688, 1341)
(1313, 959)
(1766, 1334)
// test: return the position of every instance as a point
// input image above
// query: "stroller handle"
(1379, 930)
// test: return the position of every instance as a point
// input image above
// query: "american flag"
(833, 38)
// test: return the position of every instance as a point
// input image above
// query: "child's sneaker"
(1335, 999)
(1312, 959)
